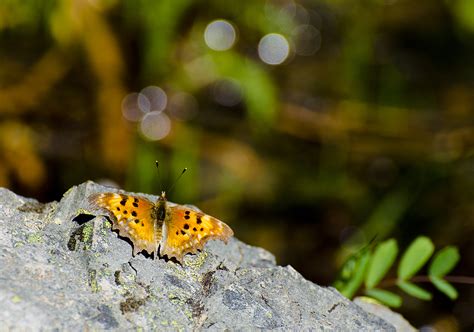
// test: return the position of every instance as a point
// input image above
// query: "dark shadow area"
(83, 218)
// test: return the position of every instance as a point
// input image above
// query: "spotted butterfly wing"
(186, 231)
(133, 218)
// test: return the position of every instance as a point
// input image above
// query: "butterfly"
(170, 229)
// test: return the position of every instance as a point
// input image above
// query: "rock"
(385, 313)
(61, 267)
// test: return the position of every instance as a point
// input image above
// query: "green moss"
(93, 281)
(87, 232)
(16, 299)
(174, 299)
(191, 267)
(35, 238)
(82, 234)
(176, 325)
(18, 244)
(152, 321)
(83, 211)
(197, 263)
(179, 272)
(177, 299)
(106, 225)
(188, 314)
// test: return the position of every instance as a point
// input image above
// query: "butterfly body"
(170, 229)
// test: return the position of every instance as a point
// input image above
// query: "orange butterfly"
(176, 229)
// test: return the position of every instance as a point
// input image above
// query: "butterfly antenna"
(160, 180)
(175, 181)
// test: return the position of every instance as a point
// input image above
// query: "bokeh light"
(130, 108)
(220, 35)
(227, 92)
(155, 126)
(295, 12)
(273, 49)
(182, 106)
(152, 98)
(143, 103)
(307, 40)
(301, 14)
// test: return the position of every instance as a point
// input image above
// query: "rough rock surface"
(385, 313)
(61, 267)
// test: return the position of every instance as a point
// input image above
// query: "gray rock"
(61, 267)
(397, 320)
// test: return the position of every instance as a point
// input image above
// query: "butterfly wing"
(186, 231)
(133, 217)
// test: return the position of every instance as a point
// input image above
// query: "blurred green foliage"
(372, 265)
(365, 129)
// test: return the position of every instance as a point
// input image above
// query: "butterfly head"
(162, 196)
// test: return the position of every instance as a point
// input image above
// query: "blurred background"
(308, 126)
